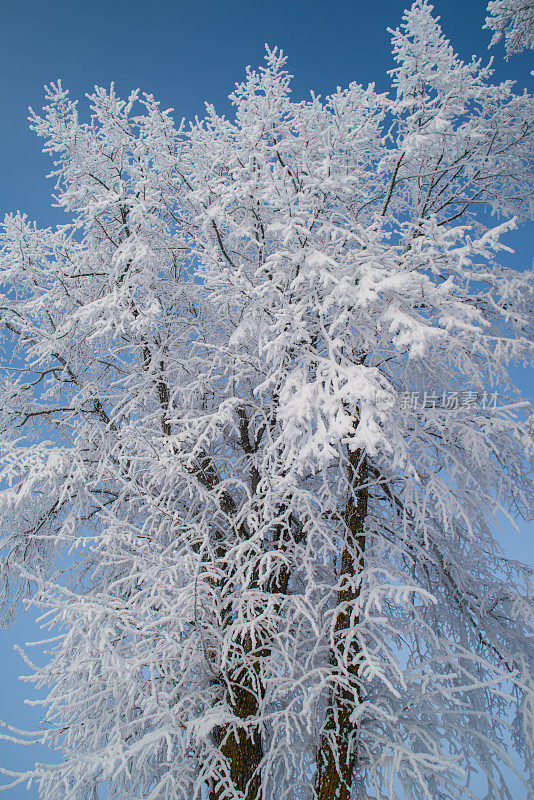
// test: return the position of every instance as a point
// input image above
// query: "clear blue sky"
(186, 53)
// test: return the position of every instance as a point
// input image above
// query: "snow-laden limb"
(282, 581)
(513, 19)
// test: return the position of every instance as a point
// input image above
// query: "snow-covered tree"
(257, 430)
(513, 19)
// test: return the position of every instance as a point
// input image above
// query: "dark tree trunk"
(336, 757)
(242, 747)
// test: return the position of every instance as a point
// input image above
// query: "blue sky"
(184, 54)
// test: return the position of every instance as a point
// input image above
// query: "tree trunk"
(337, 753)
(242, 748)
